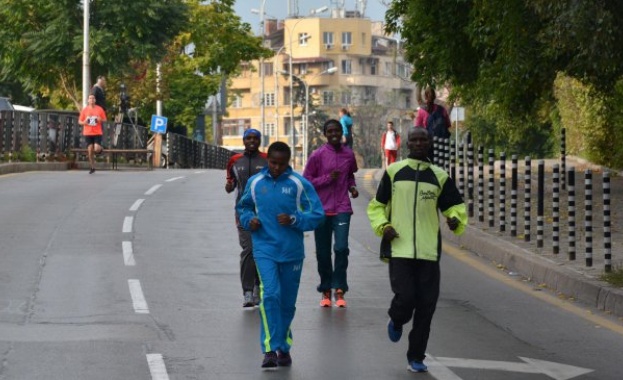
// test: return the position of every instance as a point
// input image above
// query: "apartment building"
(335, 62)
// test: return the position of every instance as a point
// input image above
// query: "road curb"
(568, 282)
(19, 167)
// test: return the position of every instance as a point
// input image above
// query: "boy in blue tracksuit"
(277, 206)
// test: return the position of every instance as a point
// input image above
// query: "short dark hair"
(391, 123)
(328, 123)
(279, 146)
(101, 77)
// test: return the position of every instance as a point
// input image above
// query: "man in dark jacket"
(240, 168)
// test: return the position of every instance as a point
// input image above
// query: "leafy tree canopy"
(42, 39)
(509, 52)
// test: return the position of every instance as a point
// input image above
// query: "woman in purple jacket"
(331, 170)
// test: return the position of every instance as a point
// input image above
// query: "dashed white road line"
(127, 224)
(137, 204)
(156, 367)
(174, 179)
(153, 189)
(128, 255)
(438, 370)
(138, 299)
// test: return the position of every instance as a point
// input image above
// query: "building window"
(327, 39)
(388, 69)
(327, 65)
(407, 102)
(268, 69)
(347, 66)
(373, 67)
(303, 37)
(269, 129)
(363, 39)
(346, 97)
(237, 102)
(269, 99)
(235, 127)
(347, 39)
(327, 98)
(301, 69)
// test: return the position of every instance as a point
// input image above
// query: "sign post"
(158, 126)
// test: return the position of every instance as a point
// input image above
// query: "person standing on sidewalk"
(434, 118)
(347, 127)
(277, 206)
(331, 169)
(99, 91)
(390, 143)
(91, 118)
(405, 213)
(240, 168)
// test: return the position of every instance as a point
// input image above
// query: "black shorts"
(97, 139)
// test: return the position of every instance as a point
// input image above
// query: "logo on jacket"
(428, 195)
(286, 190)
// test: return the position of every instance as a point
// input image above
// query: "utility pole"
(86, 68)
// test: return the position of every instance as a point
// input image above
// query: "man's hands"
(353, 192)
(255, 224)
(335, 174)
(389, 233)
(284, 219)
(453, 223)
(229, 187)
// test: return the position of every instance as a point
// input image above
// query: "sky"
(375, 10)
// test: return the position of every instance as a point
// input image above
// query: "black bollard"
(502, 190)
(607, 236)
(571, 211)
(563, 156)
(470, 177)
(527, 198)
(540, 208)
(588, 216)
(491, 187)
(556, 209)
(481, 185)
(514, 195)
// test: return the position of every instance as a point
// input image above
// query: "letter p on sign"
(158, 124)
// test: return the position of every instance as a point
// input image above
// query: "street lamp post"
(86, 67)
(330, 70)
(262, 74)
(305, 128)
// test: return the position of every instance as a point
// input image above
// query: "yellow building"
(340, 61)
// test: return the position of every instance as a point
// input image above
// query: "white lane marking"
(438, 370)
(137, 204)
(138, 299)
(128, 255)
(127, 224)
(174, 179)
(156, 367)
(200, 172)
(557, 371)
(153, 189)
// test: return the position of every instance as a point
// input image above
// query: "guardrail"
(51, 134)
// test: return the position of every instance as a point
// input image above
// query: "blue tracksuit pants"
(279, 287)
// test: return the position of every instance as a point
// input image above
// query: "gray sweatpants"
(248, 274)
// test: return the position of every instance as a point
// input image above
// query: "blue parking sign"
(158, 124)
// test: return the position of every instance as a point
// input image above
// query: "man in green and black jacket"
(405, 212)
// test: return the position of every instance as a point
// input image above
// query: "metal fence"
(51, 134)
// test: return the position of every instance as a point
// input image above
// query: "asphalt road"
(134, 275)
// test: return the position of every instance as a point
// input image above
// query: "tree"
(42, 40)
(504, 57)
(210, 46)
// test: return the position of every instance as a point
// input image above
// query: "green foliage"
(27, 154)
(42, 40)
(502, 58)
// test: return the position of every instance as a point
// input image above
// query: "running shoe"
(326, 299)
(270, 360)
(92, 171)
(284, 359)
(393, 332)
(416, 366)
(256, 295)
(339, 298)
(248, 299)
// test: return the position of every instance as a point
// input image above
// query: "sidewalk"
(570, 279)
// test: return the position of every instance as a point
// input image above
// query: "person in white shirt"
(390, 143)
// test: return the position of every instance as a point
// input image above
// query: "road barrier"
(52, 134)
